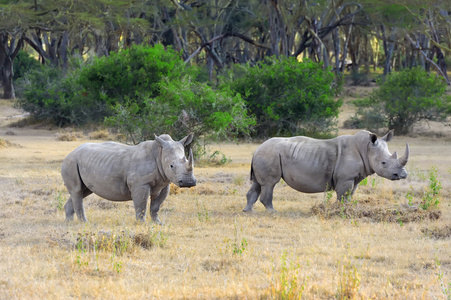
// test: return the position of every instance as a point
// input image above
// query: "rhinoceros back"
(102, 168)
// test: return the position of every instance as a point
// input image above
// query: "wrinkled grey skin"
(120, 172)
(311, 166)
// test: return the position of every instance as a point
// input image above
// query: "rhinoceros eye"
(172, 166)
(383, 162)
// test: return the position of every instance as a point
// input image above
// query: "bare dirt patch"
(438, 232)
(368, 211)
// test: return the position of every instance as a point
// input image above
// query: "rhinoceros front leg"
(140, 195)
(345, 190)
(252, 196)
(156, 202)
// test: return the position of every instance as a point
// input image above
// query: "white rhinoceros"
(311, 165)
(120, 172)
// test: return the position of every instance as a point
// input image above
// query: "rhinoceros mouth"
(397, 176)
(186, 184)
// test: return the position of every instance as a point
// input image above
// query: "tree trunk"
(9, 48)
(441, 63)
(336, 40)
(6, 72)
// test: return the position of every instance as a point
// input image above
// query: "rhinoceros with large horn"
(310, 165)
(121, 172)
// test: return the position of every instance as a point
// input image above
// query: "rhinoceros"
(121, 172)
(310, 165)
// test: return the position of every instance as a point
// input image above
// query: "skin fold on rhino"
(310, 165)
(121, 172)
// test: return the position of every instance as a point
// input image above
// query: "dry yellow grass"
(208, 248)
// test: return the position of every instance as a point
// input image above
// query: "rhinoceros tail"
(252, 170)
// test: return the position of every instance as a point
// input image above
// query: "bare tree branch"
(427, 58)
(223, 36)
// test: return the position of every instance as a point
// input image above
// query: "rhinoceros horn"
(190, 160)
(395, 155)
(403, 160)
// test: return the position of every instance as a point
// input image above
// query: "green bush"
(49, 93)
(287, 97)
(130, 75)
(23, 63)
(183, 106)
(91, 91)
(405, 98)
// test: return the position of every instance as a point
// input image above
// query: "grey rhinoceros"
(121, 172)
(310, 165)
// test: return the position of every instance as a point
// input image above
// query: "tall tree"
(12, 30)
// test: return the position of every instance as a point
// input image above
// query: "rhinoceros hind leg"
(69, 209)
(77, 206)
(252, 196)
(266, 197)
(155, 204)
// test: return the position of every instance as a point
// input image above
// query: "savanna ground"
(381, 245)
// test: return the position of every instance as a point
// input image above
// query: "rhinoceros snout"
(187, 183)
(398, 176)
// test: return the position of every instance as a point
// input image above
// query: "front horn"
(190, 159)
(403, 160)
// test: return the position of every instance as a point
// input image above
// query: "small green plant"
(235, 246)
(399, 219)
(214, 158)
(446, 290)
(328, 194)
(431, 198)
(409, 197)
(364, 182)
(349, 280)
(60, 199)
(373, 182)
(287, 284)
(239, 180)
(81, 250)
(202, 212)
(238, 246)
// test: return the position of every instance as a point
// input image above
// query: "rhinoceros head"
(384, 163)
(177, 168)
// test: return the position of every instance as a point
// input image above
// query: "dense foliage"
(288, 97)
(24, 63)
(184, 106)
(403, 99)
(140, 91)
(131, 74)
(48, 93)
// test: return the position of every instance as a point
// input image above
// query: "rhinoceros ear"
(160, 141)
(373, 138)
(187, 139)
(388, 136)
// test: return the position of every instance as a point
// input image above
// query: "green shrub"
(431, 197)
(287, 97)
(23, 63)
(183, 106)
(405, 98)
(91, 91)
(130, 75)
(48, 93)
